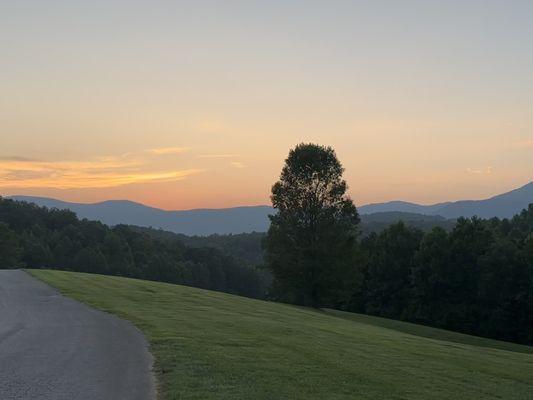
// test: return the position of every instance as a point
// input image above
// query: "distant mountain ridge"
(402, 206)
(502, 206)
(188, 222)
(255, 218)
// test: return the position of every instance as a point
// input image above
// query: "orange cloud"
(16, 172)
(168, 150)
(218, 155)
(524, 144)
(484, 171)
(237, 164)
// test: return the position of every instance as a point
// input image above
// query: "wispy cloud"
(16, 158)
(524, 144)
(218, 155)
(168, 150)
(103, 172)
(237, 164)
(480, 171)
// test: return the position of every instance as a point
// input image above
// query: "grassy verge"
(211, 345)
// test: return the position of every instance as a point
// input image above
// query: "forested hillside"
(36, 237)
(243, 246)
(476, 277)
(247, 246)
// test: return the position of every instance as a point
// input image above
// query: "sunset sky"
(196, 104)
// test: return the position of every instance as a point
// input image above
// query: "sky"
(185, 105)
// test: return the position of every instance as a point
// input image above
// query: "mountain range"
(502, 206)
(255, 218)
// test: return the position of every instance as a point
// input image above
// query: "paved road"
(54, 348)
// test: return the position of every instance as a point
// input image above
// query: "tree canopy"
(310, 243)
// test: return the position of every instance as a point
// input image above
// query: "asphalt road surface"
(54, 348)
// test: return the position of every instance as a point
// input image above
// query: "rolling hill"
(210, 345)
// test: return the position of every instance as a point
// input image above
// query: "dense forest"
(248, 246)
(477, 278)
(36, 237)
(243, 246)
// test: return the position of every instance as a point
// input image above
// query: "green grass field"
(211, 345)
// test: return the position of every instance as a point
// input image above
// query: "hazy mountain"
(379, 221)
(189, 222)
(255, 218)
(503, 206)
(401, 206)
(207, 221)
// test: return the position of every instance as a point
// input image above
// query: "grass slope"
(211, 345)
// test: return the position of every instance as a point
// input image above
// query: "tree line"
(36, 237)
(476, 278)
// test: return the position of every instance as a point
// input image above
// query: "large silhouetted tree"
(310, 243)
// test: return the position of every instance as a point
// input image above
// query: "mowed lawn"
(211, 345)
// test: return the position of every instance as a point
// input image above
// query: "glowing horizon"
(182, 106)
